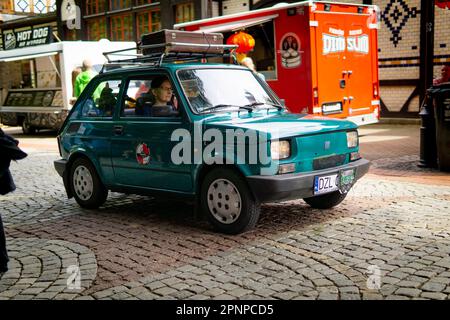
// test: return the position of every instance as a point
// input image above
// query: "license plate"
(347, 178)
(332, 108)
(325, 184)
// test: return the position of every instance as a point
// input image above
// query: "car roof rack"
(154, 55)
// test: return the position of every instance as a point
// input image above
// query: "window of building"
(95, 6)
(122, 28)
(71, 35)
(184, 12)
(96, 29)
(34, 6)
(148, 21)
(143, 2)
(6, 6)
(120, 4)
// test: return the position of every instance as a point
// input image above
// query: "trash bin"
(441, 103)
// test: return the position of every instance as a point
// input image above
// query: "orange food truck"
(319, 57)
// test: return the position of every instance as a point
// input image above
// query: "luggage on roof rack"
(165, 41)
(172, 46)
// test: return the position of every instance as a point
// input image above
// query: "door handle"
(345, 98)
(118, 130)
(350, 98)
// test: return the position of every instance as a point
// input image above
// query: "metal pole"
(428, 154)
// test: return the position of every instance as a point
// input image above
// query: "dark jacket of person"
(9, 150)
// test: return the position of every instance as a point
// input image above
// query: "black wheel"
(87, 188)
(227, 202)
(27, 128)
(326, 201)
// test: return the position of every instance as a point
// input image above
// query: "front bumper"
(297, 185)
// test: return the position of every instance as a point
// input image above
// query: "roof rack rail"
(156, 59)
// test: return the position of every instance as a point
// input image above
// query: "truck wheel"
(326, 201)
(227, 202)
(87, 188)
(27, 128)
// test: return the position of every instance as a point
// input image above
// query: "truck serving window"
(263, 53)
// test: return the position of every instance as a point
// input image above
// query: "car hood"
(277, 124)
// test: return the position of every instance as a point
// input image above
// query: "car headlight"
(352, 139)
(280, 149)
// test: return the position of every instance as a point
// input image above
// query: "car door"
(93, 128)
(141, 145)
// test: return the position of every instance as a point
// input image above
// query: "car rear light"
(316, 98)
(376, 112)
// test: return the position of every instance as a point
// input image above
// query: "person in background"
(445, 75)
(9, 150)
(248, 62)
(83, 78)
(75, 72)
(143, 88)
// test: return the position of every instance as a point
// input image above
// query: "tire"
(326, 201)
(27, 129)
(221, 190)
(88, 190)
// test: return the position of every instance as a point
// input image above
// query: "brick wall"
(441, 38)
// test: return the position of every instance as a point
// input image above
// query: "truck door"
(331, 63)
(359, 73)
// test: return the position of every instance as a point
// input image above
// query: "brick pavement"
(138, 248)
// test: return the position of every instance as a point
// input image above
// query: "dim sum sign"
(337, 42)
(13, 39)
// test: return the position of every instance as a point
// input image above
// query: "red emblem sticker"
(142, 153)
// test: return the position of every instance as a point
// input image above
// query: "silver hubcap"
(224, 201)
(82, 183)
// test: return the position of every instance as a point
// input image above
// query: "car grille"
(329, 162)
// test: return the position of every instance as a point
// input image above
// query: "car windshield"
(210, 90)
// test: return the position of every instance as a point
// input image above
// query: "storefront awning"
(237, 25)
(29, 56)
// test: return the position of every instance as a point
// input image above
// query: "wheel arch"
(204, 169)
(74, 156)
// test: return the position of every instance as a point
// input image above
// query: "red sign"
(443, 4)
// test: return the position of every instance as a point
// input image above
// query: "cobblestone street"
(394, 224)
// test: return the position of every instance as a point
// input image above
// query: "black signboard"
(29, 37)
(35, 98)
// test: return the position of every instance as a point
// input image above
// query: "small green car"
(215, 134)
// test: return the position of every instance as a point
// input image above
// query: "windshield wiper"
(255, 104)
(223, 106)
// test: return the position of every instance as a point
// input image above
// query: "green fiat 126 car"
(212, 133)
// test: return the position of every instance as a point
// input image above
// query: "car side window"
(102, 101)
(150, 97)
